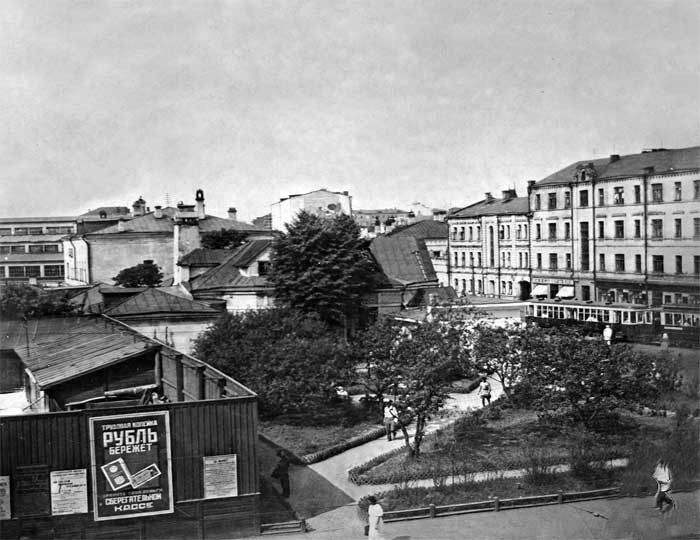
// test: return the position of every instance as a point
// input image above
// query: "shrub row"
(356, 474)
(339, 448)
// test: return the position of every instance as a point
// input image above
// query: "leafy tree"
(289, 359)
(374, 347)
(321, 265)
(223, 239)
(19, 300)
(145, 274)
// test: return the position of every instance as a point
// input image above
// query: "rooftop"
(205, 257)
(227, 274)
(404, 259)
(493, 207)
(153, 300)
(427, 228)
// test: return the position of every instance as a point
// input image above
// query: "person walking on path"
(375, 513)
(484, 392)
(607, 334)
(391, 416)
(664, 477)
(281, 473)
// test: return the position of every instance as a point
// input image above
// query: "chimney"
(488, 196)
(139, 207)
(232, 213)
(157, 212)
(614, 158)
(509, 194)
(199, 200)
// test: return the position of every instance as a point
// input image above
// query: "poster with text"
(69, 492)
(5, 497)
(220, 476)
(131, 465)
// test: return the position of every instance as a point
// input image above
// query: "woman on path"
(663, 477)
(375, 513)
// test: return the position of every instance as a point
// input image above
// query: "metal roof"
(153, 301)
(205, 257)
(403, 258)
(228, 275)
(30, 238)
(427, 228)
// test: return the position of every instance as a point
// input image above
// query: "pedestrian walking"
(281, 473)
(664, 477)
(391, 416)
(608, 334)
(484, 392)
(375, 513)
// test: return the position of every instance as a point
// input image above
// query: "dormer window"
(264, 268)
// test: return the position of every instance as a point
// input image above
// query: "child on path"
(391, 416)
(664, 477)
(484, 392)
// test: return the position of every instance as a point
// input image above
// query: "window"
(16, 271)
(454, 233)
(619, 195)
(696, 189)
(32, 271)
(677, 191)
(638, 264)
(657, 192)
(619, 229)
(478, 232)
(51, 248)
(53, 270)
(525, 258)
(538, 202)
(35, 230)
(264, 268)
(567, 231)
(525, 232)
(583, 198)
(456, 259)
(471, 234)
(520, 260)
(502, 233)
(552, 231)
(21, 231)
(567, 199)
(696, 264)
(637, 228)
(601, 261)
(552, 201)
(478, 259)
(36, 249)
(696, 227)
(508, 259)
(518, 232)
(464, 259)
(585, 292)
(508, 232)
(539, 260)
(657, 263)
(678, 228)
(679, 264)
(4, 250)
(471, 259)
(2, 271)
(601, 229)
(657, 228)
(5, 230)
(601, 197)
(461, 233)
(568, 261)
(552, 261)
(637, 194)
(619, 262)
(436, 254)
(538, 231)
(17, 249)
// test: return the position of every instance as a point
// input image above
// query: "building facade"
(625, 229)
(489, 252)
(320, 202)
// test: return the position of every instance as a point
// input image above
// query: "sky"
(394, 101)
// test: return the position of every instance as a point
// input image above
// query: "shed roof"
(663, 161)
(403, 258)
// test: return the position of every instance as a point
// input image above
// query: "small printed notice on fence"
(220, 476)
(69, 492)
(5, 497)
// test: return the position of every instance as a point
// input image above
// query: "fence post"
(222, 387)
(201, 379)
(496, 504)
(560, 496)
(179, 378)
(432, 510)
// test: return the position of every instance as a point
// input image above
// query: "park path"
(335, 469)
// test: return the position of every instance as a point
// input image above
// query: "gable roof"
(662, 160)
(423, 229)
(153, 300)
(404, 259)
(494, 207)
(149, 223)
(204, 257)
(227, 274)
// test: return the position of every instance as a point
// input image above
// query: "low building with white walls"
(320, 202)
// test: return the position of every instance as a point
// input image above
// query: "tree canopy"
(145, 274)
(223, 239)
(288, 358)
(18, 300)
(321, 265)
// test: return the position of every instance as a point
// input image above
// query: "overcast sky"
(102, 102)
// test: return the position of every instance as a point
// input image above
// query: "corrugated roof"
(403, 258)
(423, 229)
(205, 257)
(153, 301)
(494, 207)
(632, 165)
(227, 274)
(61, 349)
(149, 223)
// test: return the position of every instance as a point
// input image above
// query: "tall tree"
(223, 239)
(321, 265)
(145, 274)
(288, 358)
(19, 300)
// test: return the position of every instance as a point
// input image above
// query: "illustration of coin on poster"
(131, 470)
(69, 492)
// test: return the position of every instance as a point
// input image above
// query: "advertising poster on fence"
(131, 471)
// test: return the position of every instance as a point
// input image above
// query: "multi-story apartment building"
(320, 202)
(31, 249)
(621, 229)
(489, 251)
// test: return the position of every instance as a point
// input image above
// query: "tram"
(630, 322)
